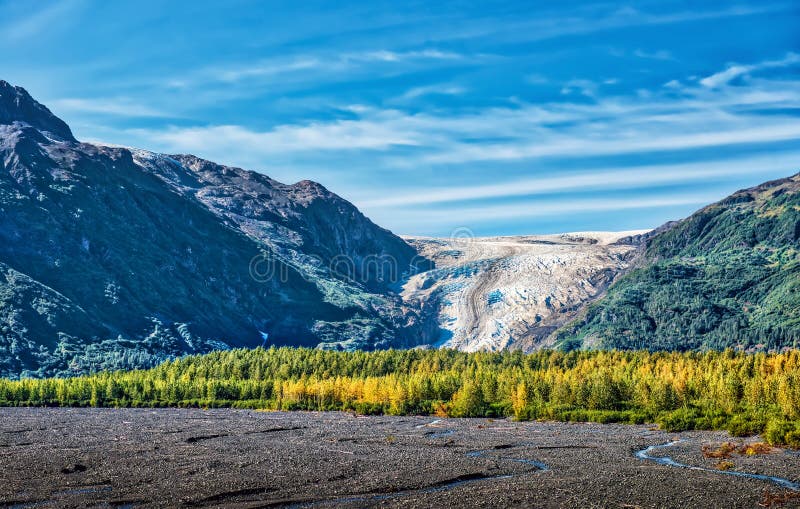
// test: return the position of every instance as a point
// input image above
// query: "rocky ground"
(514, 292)
(229, 458)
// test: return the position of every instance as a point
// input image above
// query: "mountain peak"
(17, 105)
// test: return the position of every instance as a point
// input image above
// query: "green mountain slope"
(728, 276)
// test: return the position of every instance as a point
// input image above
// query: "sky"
(503, 118)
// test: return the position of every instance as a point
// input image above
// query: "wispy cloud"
(342, 135)
(39, 18)
(735, 70)
(125, 107)
(399, 56)
(488, 213)
(269, 68)
(657, 121)
(654, 55)
(536, 79)
(584, 87)
(598, 179)
(645, 141)
(442, 89)
(599, 18)
(315, 65)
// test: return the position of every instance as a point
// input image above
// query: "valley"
(424, 255)
(115, 258)
(514, 292)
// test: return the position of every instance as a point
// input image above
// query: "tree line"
(740, 392)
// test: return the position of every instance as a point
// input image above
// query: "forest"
(726, 277)
(740, 392)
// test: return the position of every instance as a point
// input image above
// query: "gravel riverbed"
(236, 458)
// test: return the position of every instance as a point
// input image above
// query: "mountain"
(728, 276)
(119, 258)
(113, 257)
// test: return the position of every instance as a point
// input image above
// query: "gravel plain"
(235, 458)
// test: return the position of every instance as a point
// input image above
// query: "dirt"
(233, 458)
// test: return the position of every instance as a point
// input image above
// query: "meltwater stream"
(644, 454)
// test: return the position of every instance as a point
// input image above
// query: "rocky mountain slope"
(112, 257)
(514, 292)
(728, 276)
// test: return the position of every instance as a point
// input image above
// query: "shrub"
(678, 420)
(743, 425)
(782, 432)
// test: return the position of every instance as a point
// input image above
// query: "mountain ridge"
(158, 253)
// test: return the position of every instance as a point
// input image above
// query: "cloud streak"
(39, 19)
(734, 71)
(489, 213)
(599, 179)
(600, 18)
(316, 66)
(659, 121)
(442, 89)
(125, 107)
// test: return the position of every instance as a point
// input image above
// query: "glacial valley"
(514, 292)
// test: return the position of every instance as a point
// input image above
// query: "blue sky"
(505, 118)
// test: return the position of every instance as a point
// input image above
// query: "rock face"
(303, 222)
(514, 292)
(113, 258)
(16, 105)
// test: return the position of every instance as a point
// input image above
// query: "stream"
(644, 454)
